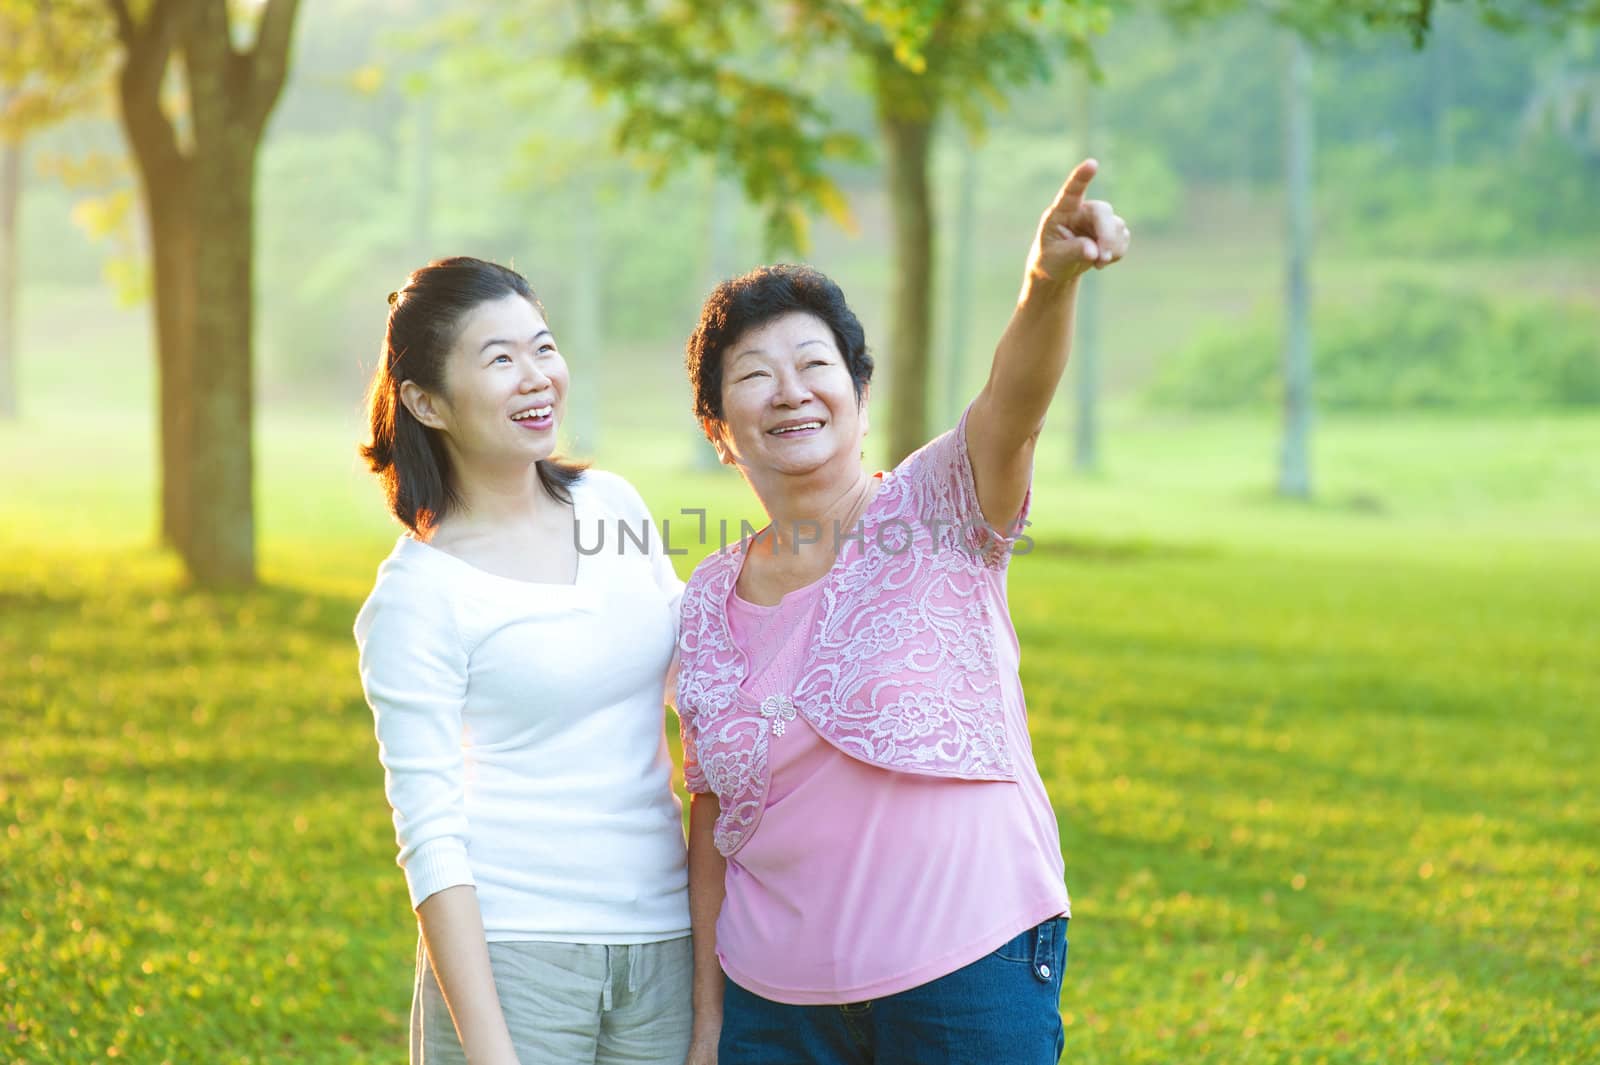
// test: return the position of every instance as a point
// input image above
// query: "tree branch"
(145, 51)
(126, 31)
(269, 59)
(146, 47)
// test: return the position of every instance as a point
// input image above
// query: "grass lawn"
(1324, 774)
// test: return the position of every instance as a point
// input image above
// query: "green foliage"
(697, 82)
(678, 103)
(54, 58)
(1377, 205)
(1411, 347)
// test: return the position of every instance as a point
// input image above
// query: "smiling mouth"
(534, 414)
(794, 428)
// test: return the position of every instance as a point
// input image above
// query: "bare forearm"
(1030, 359)
(707, 886)
(452, 930)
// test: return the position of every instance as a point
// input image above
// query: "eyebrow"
(487, 344)
(763, 351)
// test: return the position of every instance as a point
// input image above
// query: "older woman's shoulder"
(720, 567)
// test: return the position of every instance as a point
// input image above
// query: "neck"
(804, 509)
(498, 496)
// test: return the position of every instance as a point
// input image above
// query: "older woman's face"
(788, 403)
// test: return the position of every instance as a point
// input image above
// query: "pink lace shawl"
(901, 671)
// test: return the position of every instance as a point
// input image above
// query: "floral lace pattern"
(901, 672)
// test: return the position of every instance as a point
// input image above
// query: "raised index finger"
(1070, 198)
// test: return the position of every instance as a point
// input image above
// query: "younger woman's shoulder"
(614, 490)
(413, 580)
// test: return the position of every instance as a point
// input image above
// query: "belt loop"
(1044, 950)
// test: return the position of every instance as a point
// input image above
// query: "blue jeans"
(1003, 1009)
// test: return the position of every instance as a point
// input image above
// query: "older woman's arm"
(1074, 236)
(707, 886)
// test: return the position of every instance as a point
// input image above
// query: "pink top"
(911, 665)
(864, 879)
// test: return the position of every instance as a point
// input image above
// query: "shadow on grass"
(1384, 935)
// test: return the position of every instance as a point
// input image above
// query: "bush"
(1414, 347)
(1370, 201)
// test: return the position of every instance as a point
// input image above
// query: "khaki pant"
(572, 1004)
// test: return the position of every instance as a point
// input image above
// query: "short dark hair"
(425, 319)
(751, 301)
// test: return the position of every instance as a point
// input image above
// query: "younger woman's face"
(505, 387)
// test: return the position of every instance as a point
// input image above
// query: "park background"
(1317, 751)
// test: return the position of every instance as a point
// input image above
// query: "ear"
(421, 405)
(715, 433)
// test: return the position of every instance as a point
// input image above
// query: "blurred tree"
(698, 82)
(962, 258)
(1324, 20)
(11, 150)
(711, 82)
(196, 165)
(1086, 353)
(1294, 465)
(51, 60)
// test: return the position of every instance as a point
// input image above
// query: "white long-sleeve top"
(520, 727)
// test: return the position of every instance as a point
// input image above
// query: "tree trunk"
(588, 314)
(172, 239)
(907, 136)
(221, 547)
(1086, 353)
(961, 284)
(1441, 90)
(422, 112)
(165, 181)
(10, 200)
(201, 210)
(1294, 473)
(720, 257)
(1086, 346)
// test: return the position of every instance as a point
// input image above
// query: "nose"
(534, 379)
(791, 390)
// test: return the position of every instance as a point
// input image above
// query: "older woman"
(875, 868)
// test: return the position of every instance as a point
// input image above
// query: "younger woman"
(517, 689)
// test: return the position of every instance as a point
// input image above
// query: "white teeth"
(797, 428)
(537, 412)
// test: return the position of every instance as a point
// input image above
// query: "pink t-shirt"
(862, 881)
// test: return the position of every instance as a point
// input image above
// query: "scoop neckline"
(743, 555)
(804, 589)
(458, 561)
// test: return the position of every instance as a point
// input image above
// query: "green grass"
(1323, 772)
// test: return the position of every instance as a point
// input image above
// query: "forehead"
(510, 317)
(782, 334)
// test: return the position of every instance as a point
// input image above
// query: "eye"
(817, 362)
(547, 348)
(502, 357)
(753, 373)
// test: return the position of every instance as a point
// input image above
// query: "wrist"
(1038, 285)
